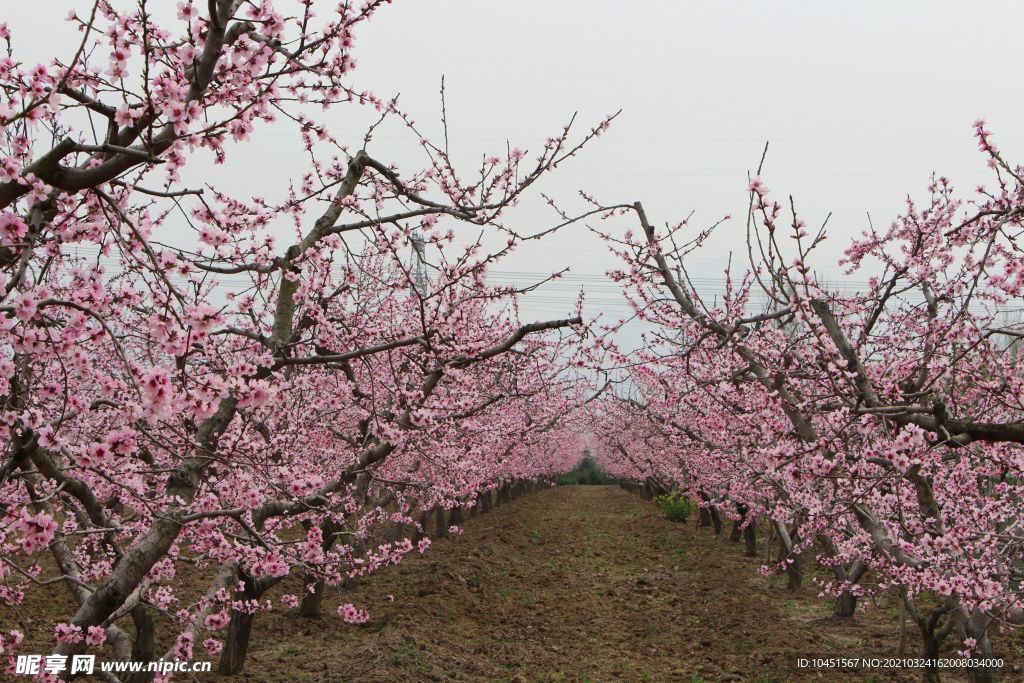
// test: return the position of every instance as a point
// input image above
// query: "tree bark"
(736, 533)
(846, 605)
(930, 644)
(750, 538)
(975, 625)
(311, 601)
(236, 644)
(424, 523)
(440, 522)
(794, 573)
(144, 646)
(716, 520)
(794, 562)
(933, 631)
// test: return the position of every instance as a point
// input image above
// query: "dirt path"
(574, 584)
(571, 584)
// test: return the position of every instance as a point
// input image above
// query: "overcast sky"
(861, 102)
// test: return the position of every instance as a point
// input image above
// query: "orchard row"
(178, 389)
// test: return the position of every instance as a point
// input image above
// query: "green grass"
(289, 651)
(407, 654)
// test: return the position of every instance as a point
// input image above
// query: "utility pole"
(418, 263)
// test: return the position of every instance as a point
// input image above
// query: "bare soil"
(580, 583)
(575, 583)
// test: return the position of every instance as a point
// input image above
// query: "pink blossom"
(12, 228)
(68, 633)
(26, 306)
(37, 530)
(96, 636)
(352, 615)
(217, 620)
(183, 646)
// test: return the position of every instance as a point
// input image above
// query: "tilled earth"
(574, 584)
(579, 583)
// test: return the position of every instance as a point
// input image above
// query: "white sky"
(860, 101)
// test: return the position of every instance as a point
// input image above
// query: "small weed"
(528, 600)
(675, 506)
(290, 650)
(405, 654)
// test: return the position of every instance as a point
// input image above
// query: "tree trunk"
(311, 601)
(750, 537)
(236, 644)
(736, 533)
(424, 522)
(794, 572)
(846, 605)
(794, 562)
(351, 581)
(975, 625)
(982, 674)
(716, 520)
(440, 521)
(145, 644)
(310, 605)
(930, 643)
